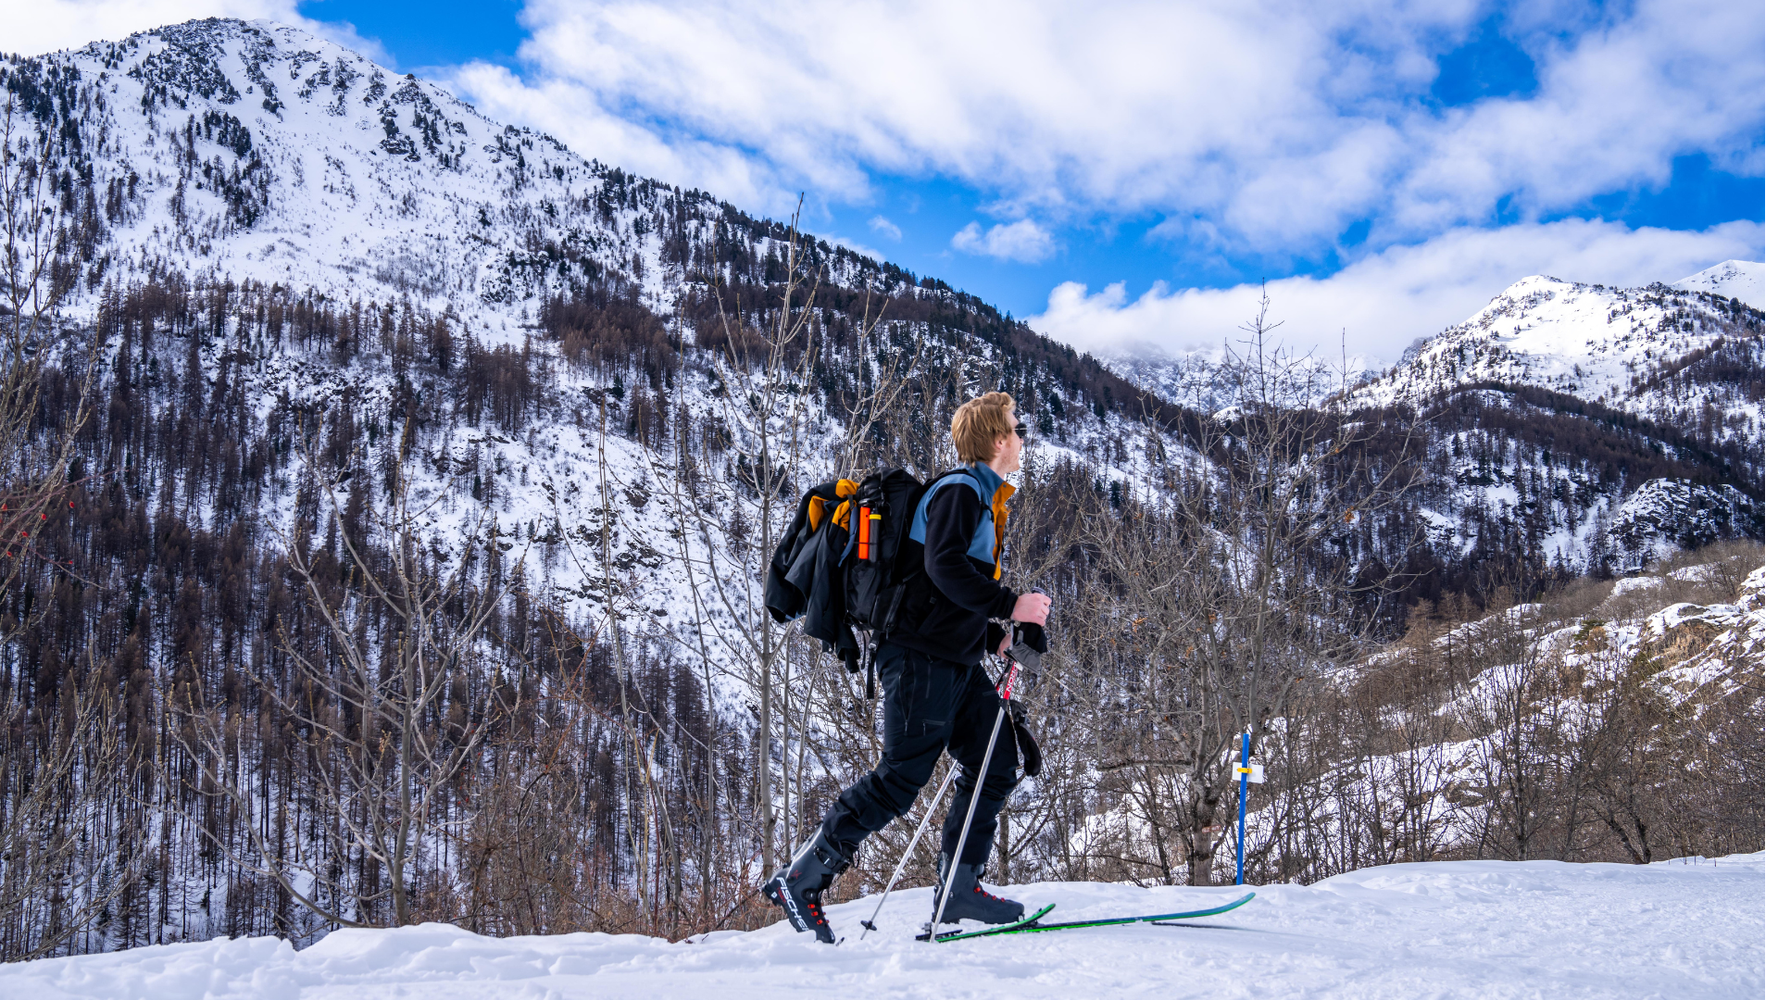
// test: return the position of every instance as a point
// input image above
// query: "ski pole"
(938, 906)
(1241, 824)
(871, 924)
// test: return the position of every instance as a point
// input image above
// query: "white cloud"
(851, 244)
(1024, 241)
(1385, 301)
(40, 26)
(572, 115)
(1616, 105)
(1264, 125)
(887, 228)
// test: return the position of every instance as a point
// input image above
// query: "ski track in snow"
(1445, 929)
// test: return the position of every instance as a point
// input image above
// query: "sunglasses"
(1021, 430)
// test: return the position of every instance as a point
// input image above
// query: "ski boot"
(797, 887)
(969, 899)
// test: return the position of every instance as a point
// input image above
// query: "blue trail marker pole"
(1241, 823)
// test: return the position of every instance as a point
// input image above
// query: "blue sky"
(1127, 177)
(418, 35)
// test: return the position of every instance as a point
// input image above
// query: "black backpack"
(844, 563)
(873, 571)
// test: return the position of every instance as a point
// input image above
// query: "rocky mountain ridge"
(1671, 354)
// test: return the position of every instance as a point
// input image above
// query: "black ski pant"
(930, 705)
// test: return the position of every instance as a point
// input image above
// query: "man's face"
(1010, 448)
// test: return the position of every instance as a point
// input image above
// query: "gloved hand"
(1028, 644)
(1032, 635)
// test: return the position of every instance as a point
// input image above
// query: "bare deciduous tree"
(766, 405)
(1222, 583)
(65, 857)
(388, 696)
(35, 276)
(63, 765)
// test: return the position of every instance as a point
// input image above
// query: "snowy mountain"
(1734, 279)
(292, 177)
(1676, 356)
(1691, 928)
(1593, 426)
(1611, 334)
(258, 155)
(1599, 412)
(266, 154)
(1193, 379)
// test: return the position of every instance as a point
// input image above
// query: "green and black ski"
(1030, 925)
(958, 935)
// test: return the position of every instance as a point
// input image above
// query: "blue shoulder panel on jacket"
(981, 545)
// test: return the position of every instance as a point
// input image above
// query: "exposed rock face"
(1664, 514)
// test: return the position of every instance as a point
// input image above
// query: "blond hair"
(979, 423)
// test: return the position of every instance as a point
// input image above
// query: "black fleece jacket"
(946, 609)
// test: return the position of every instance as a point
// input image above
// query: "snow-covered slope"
(267, 169)
(1191, 379)
(1664, 515)
(1693, 928)
(259, 151)
(1734, 279)
(1580, 383)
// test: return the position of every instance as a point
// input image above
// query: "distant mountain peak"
(1601, 343)
(1731, 279)
(1533, 283)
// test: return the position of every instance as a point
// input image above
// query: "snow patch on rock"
(1663, 516)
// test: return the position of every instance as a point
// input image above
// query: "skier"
(935, 695)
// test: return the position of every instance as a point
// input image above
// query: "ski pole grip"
(1007, 683)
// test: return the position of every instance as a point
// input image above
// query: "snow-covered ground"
(1693, 928)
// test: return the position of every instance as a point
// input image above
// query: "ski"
(1030, 926)
(958, 935)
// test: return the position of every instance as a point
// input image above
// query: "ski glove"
(1028, 643)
